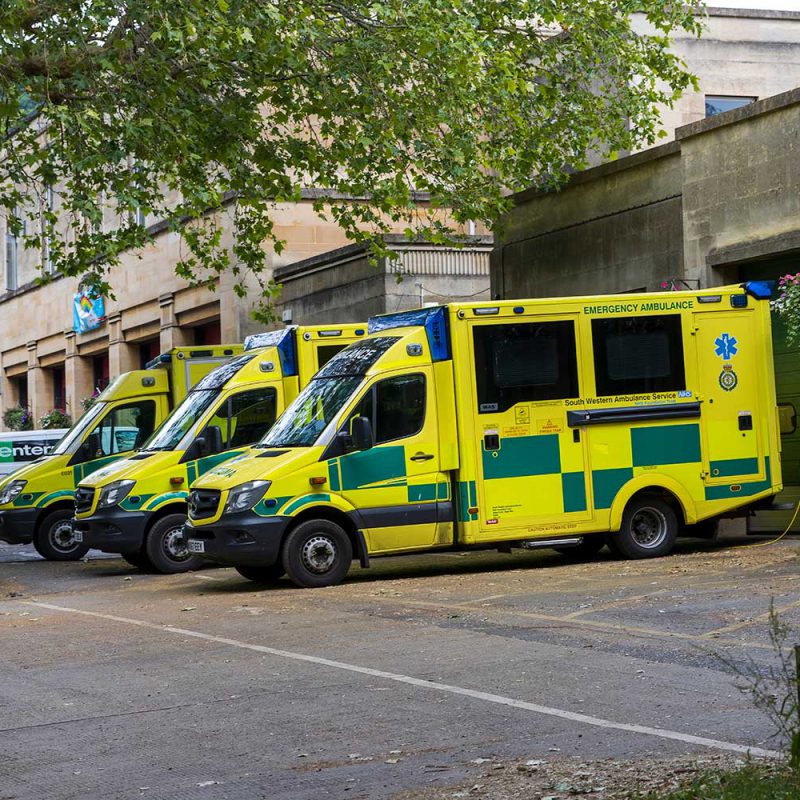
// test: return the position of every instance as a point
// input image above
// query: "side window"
(244, 418)
(638, 355)
(125, 428)
(524, 362)
(251, 416)
(395, 407)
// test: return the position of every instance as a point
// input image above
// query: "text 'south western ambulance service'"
(568, 423)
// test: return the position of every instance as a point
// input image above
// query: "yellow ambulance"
(137, 507)
(36, 502)
(574, 422)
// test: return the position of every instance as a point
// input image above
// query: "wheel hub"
(175, 544)
(649, 527)
(319, 554)
(62, 536)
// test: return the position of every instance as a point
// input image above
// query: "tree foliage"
(175, 107)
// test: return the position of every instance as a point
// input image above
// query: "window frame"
(573, 361)
(372, 389)
(749, 98)
(603, 383)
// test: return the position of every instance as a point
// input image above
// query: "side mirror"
(89, 449)
(361, 431)
(210, 442)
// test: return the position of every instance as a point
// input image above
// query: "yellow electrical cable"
(788, 528)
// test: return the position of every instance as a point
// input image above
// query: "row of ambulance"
(569, 423)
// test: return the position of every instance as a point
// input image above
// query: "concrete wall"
(614, 228)
(741, 187)
(724, 194)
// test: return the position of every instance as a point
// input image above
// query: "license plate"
(196, 547)
(77, 536)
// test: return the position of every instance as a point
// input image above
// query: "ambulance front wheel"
(138, 559)
(649, 529)
(166, 548)
(55, 538)
(317, 553)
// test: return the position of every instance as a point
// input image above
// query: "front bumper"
(17, 525)
(244, 539)
(113, 530)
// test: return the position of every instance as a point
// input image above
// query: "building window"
(20, 390)
(524, 362)
(12, 280)
(638, 355)
(208, 334)
(719, 104)
(47, 238)
(100, 372)
(148, 351)
(59, 388)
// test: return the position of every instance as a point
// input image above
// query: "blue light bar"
(761, 290)
(434, 320)
(283, 340)
(164, 358)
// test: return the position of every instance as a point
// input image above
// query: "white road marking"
(584, 719)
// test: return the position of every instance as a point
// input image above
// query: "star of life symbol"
(726, 346)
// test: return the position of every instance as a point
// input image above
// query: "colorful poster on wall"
(88, 311)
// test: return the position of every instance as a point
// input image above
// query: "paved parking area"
(117, 684)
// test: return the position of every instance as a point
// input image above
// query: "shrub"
(18, 419)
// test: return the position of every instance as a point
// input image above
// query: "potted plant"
(55, 419)
(18, 418)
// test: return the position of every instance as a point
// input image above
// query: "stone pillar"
(39, 398)
(122, 357)
(171, 335)
(77, 376)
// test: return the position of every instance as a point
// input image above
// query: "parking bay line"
(584, 719)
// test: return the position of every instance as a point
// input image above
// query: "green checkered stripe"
(651, 446)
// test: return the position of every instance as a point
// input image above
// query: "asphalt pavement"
(408, 677)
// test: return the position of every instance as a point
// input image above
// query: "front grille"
(203, 503)
(83, 500)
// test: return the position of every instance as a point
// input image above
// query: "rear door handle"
(421, 457)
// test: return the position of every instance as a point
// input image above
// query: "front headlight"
(114, 493)
(246, 495)
(11, 492)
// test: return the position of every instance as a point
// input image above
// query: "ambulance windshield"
(308, 416)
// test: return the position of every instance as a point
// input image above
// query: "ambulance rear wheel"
(55, 538)
(271, 574)
(166, 548)
(317, 553)
(649, 529)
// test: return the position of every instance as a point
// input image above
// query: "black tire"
(54, 539)
(271, 574)
(165, 546)
(588, 548)
(138, 559)
(317, 553)
(649, 529)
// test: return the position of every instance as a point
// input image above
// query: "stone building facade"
(742, 56)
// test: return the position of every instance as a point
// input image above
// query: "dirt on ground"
(565, 779)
